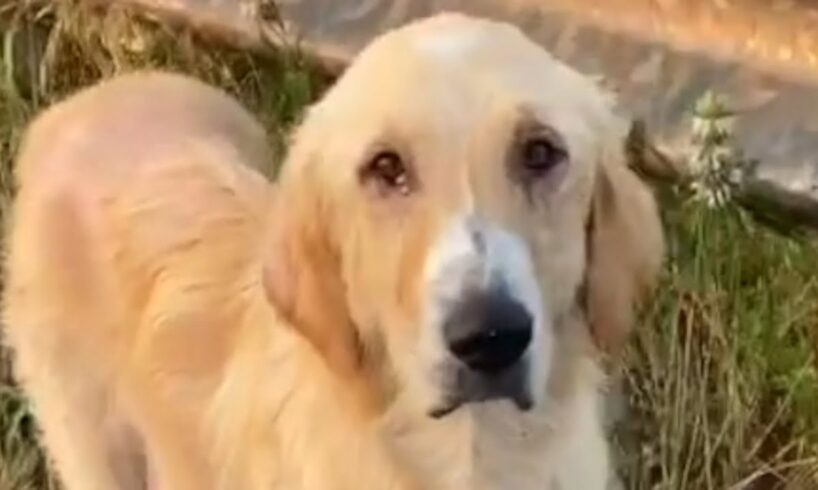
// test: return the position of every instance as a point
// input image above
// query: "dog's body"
(182, 324)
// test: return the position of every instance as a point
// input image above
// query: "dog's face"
(448, 203)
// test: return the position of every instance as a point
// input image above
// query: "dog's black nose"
(488, 331)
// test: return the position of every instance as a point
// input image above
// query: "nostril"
(491, 351)
(489, 333)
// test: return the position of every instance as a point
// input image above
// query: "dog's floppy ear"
(302, 271)
(625, 250)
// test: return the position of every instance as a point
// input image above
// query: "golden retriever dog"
(421, 302)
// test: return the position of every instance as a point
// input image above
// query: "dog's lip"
(462, 386)
(522, 402)
(444, 409)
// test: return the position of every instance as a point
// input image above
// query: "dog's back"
(136, 212)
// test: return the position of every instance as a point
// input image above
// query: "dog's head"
(452, 199)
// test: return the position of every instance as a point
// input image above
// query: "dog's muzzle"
(487, 333)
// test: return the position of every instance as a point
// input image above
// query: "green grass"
(722, 375)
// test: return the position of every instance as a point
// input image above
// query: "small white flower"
(714, 166)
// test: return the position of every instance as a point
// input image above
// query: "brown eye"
(539, 155)
(387, 170)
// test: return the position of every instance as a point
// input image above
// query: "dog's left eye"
(388, 172)
(539, 154)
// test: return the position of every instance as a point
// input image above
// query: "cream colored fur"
(182, 324)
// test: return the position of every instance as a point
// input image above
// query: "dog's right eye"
(539, 155)
(387, 171)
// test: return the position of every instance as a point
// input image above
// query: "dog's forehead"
(450, 45)
(444, 79)
(458, 57)
(451, 38)
(456, 41)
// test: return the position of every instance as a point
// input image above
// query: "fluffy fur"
(182, 324)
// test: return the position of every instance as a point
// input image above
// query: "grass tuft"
(722, 375)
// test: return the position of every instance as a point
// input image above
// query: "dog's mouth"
(470, 387)
(523, 404)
